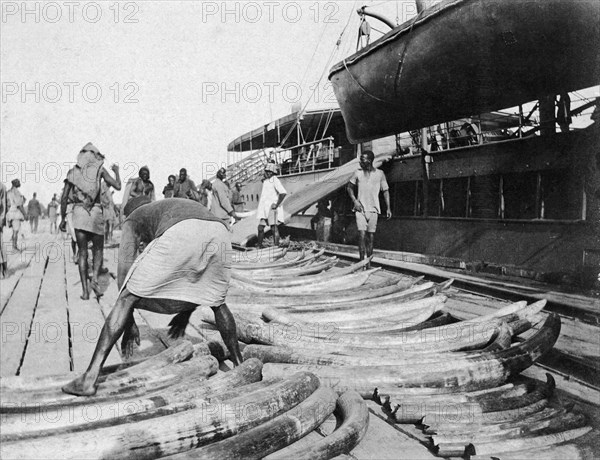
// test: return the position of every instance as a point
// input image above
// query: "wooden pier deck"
(48, 330)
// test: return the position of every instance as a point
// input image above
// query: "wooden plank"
(17, 263)
(150, 343)
(384, 441)
(85, 321)
(48, 349)
(15, 322)
(36, 247)
(580, 302)
(574, 388)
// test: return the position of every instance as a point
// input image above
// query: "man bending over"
(185, 263)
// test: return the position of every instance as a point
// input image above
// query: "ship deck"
(48, 330)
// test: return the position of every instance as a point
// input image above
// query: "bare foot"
(96, 288)
(85, 295)
(79, 387)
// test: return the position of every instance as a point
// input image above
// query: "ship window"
(434, 203)
(520, 195)
(418, 203)
(561, 195)
(455, 197)
(402, 197)
(484, 199)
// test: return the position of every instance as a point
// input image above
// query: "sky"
(167, 84)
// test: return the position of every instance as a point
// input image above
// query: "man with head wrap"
(185, 263)
(82, 190)
(138, 186)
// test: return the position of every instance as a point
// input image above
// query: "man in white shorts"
(366, 183)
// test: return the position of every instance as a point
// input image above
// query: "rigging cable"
(313, 55)
(332, 55)
(400, 64)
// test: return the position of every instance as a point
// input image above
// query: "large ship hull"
(521, 207)
(437, 67)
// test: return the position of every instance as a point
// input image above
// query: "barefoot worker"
(369, 181)
(82, 190)
(185, 264)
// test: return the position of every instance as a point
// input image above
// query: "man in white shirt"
(270, 211)
(369, 181)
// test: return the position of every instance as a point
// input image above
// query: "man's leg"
(275, 231)
(16, 227)
(36, 220)
(228, 329)
(86, 384)
(261, 236)
(2, 257)
(15, 235)
(97, 259)
(74, 250)
(361, 244)
(82, 247)
(369, 245)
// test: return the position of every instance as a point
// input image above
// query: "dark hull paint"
(550, 249)
(463, 57)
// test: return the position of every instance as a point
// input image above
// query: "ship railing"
(310, 156)
(472, 131)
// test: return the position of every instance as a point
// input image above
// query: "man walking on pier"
(369, 181)
(269, 210)
(34, 211)
(185, 263)
(52, 210)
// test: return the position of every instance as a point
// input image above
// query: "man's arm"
(128, 250)
(281, 193)
(192, 193)
(351, 192)
(64, 200)
(386, 198)
(116, 182)
(386, 194)
(280, 199)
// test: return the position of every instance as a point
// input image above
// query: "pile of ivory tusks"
(391, 340)
(178, 404)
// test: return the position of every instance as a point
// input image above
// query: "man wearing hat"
(270, 211)
(221, 206)
(186, 263)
